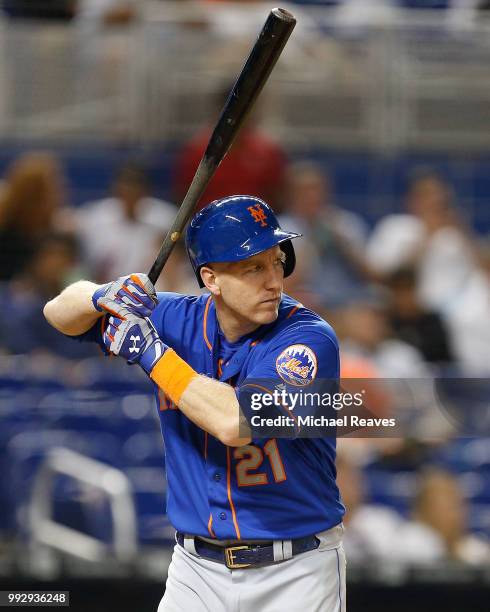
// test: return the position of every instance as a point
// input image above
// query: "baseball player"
(258, 520)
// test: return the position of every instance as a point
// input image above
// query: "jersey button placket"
(217, 488)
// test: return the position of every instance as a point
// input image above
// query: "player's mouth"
(272, 301)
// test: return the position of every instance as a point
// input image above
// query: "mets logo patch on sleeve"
(297, 365)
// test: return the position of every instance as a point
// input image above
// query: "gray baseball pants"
(310, 582)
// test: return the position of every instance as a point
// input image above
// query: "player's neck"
(233, 325)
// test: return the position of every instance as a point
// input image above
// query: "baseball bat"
(251, 80)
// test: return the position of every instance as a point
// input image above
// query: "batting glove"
(135, 339)
(135, 293)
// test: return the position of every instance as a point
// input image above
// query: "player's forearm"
(213, 406)
(210, 404)
(72, 312)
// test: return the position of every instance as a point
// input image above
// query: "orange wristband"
(173, 375)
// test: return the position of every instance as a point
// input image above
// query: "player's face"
(251, 289)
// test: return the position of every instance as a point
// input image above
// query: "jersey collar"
(210, 337)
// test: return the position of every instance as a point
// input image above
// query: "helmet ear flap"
(290, 263)
(198, 276)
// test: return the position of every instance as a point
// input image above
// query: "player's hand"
(135, 339)
(134, 293)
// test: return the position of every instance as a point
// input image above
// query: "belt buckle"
(230, 557)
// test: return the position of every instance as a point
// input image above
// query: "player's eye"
(256, 268)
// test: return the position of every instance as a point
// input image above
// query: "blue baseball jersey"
(272, 488)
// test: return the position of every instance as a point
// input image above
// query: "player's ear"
(210, 280)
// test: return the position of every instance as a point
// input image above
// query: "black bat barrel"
(252, 78)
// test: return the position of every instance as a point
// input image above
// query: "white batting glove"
(134, 293)
(136, 340)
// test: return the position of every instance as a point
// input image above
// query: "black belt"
(246, 555)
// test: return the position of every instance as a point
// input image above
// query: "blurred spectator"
(438, 531)
(235, 24)
(358, 13)
(365, 333)
(392, 373)
(179, 275)
(469, 321)
(255, 164)
(108, 12)
(410, 322)
(370, 529)
(102, 29)
(331, 268)
(430, 237)
(121, 234)
(235, 18)
(31, 200)
(24, 328)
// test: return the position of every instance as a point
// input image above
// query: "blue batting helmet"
(235, 228)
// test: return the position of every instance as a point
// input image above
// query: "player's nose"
(274, 278)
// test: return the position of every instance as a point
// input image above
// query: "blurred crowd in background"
(120, 11)
(408, 295)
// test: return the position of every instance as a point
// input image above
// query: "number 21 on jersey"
(250, 458)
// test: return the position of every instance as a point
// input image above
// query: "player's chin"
(267, 313)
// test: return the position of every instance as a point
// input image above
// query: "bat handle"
(193, 195)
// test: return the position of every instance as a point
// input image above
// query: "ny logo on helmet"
(258, 214)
